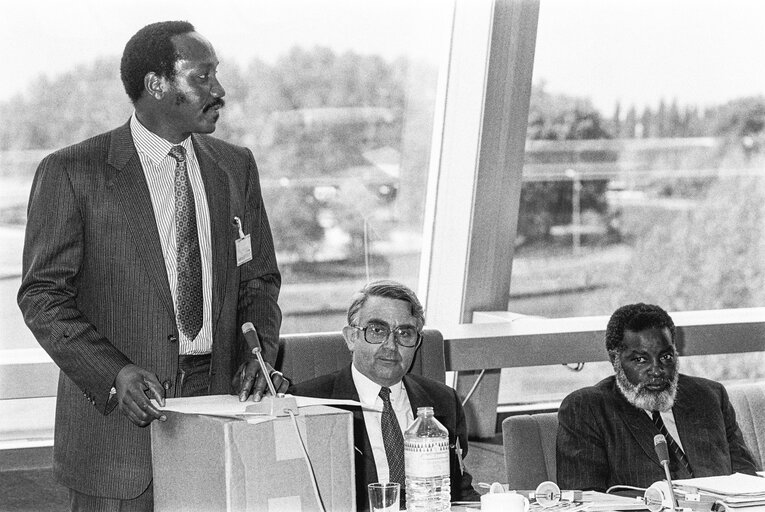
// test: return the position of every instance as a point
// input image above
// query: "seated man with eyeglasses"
(384, 331)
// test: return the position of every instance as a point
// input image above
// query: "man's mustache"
(218, 102)
(664, 381)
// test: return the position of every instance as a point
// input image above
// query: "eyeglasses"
(377, 333)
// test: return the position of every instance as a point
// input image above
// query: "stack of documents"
(745, 493)
(599, 502)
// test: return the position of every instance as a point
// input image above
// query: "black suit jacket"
(422, 392)
(95, 293)
(603, 440)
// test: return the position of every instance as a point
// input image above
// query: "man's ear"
(612, 355)
(155, 85)
(349, 334)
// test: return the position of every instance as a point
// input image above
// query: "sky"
(696, 51)
(53, 35)
(633, 51)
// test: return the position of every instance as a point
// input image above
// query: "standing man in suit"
(146, 247)
(384, 331)
(605, 432)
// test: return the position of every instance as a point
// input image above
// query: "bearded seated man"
(606, 431)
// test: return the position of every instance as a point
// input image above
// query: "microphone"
(660, 445)
(662, 451)
(253, 341)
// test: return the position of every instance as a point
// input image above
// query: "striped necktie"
(680, 461)
(189, 260)
(393, 440)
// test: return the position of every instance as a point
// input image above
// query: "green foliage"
(707, 257)
(74, 106)
(311, 119)
(548, 203)
(740, 117)
(294, 219)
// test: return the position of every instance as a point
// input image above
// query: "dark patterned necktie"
(681, 461)
(393, 440)
(188, 258)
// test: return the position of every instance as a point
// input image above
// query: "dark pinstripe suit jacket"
(422, 392)
(96, 296)
(603, 440)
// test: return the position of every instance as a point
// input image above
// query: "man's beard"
(642, 398)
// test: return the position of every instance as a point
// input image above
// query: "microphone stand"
(665, 463)
(660, 443)
(277, 404)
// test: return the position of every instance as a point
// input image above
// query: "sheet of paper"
(737, 484)
(229, 405)
(600, 501)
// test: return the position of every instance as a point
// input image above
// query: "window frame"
(472, 206)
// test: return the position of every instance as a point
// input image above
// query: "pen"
(458, 451)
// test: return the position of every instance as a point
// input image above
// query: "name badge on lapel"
(243, 245)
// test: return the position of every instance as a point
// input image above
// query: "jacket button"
(172, 338)
(167, 384)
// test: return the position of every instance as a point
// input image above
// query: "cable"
(578, 367)
(472, 389)
(307, 460)
(366, 248)
(625, 488)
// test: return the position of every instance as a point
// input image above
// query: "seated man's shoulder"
(319, 387)
(599, 393)
(437, 390)
(700, 387)
(699, 382)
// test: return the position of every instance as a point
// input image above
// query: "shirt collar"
(152, 145)
(369, 390)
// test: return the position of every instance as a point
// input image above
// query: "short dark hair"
(150, 49)
(388, 289)
(636, 317)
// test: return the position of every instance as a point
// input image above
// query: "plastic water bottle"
(426, 464)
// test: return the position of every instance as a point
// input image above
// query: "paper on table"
(600, 501)
(229, 405)
(737, 484)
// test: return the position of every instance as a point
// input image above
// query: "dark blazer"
(96, 296)
(422, 392)
(603, 440)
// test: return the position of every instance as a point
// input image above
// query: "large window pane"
(643, 179)
(334, 97)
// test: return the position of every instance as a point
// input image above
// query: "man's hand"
(252, 380)
(135, 386)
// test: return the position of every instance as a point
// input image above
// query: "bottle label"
(426, 457)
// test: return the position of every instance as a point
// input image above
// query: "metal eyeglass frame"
(390, 331)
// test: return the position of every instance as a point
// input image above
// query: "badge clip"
(243, 244)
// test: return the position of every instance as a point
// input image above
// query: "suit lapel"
(344, 389)
(688, 422)
(419, 397)
(221, 233)
(638, 424)
(128, 184)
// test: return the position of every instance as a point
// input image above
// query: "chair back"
(305, 356)
(529, 445)
(748, 399)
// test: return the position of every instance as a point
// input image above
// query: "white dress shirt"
(159, 170)
(669, 421)
(369, 396)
